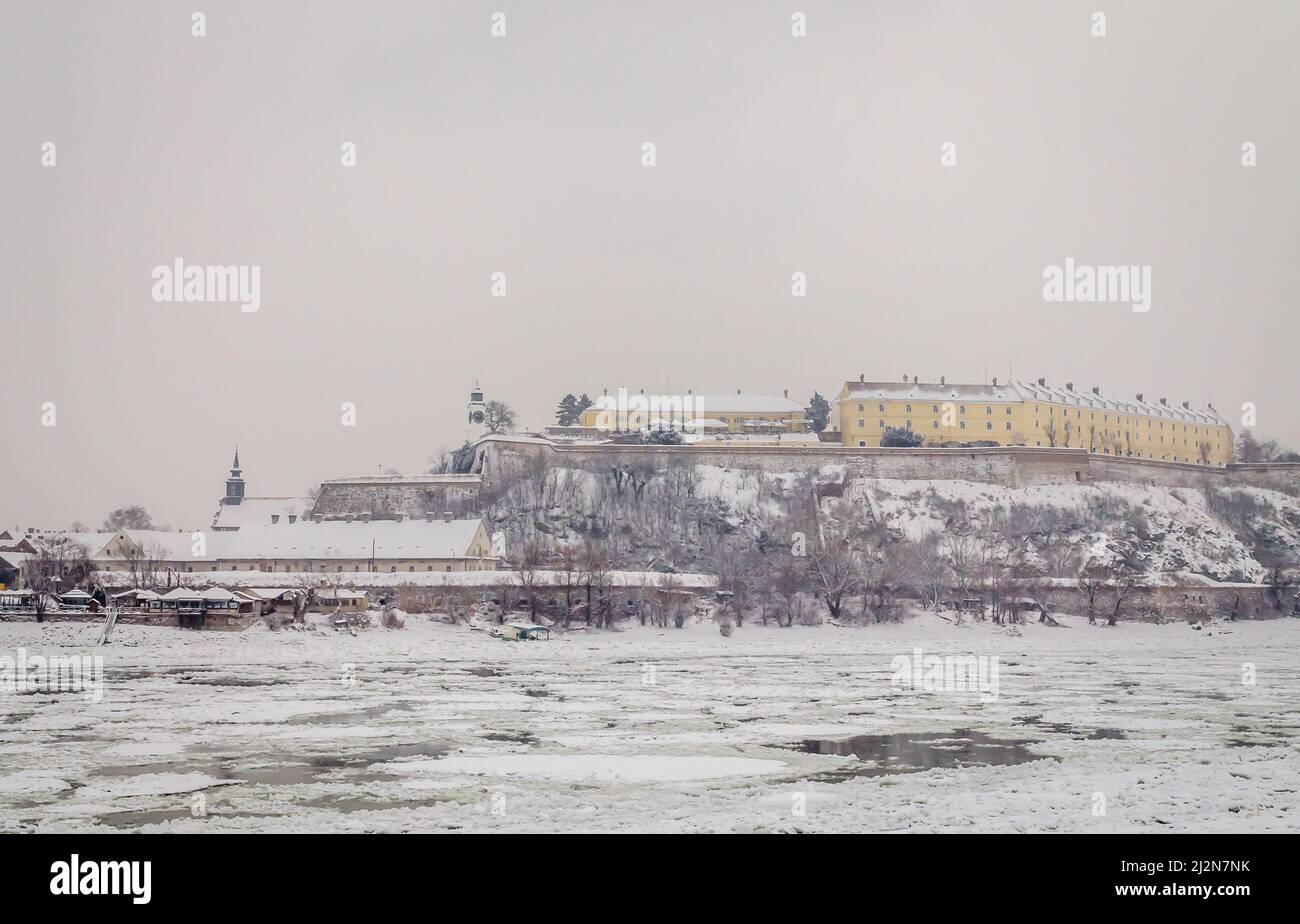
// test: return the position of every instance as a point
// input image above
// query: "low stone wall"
(1168, 603)
(1276, 476)
(385, 500)
(1011, 466)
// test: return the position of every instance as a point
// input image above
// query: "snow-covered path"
(437, 728)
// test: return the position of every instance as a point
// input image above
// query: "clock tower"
(474, 428)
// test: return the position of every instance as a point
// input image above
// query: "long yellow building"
(700, 413)
(1031, 414)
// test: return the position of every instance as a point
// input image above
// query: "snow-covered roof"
(259, 510)
(359, 539)
(342, 594)
(474, 579)
(171, 545)
(1017, 391)
(92, 542)
(431, 480)
(929, 391)
(270, 593)
(217, 594)
(712, 403)
(181, 593)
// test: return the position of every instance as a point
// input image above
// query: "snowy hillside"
(675, 516)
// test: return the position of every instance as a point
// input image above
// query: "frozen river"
(439, 728)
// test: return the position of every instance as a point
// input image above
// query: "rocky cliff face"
(680, 514)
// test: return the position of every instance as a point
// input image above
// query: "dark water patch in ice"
(350, 717)
(233, 681)
(271, 770)
(348, 804)
(140, 818)
(1066, 728)
(484, 671)
(882, 755)
(514, 737)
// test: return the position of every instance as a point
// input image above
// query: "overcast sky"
(522, 155)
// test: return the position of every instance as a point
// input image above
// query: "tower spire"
(235, 483)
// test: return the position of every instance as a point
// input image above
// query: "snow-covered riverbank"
(1135, 728)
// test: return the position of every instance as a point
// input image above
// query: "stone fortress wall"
(1011, 466)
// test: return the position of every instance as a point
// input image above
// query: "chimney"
(786, 392)
(737, 391)
(904, 376)
(689, 392)
(446, 516)
(1164, 401)
(1139, 397)
(275, 518)
(1096, 390)
(1187, 405)
(915, 380)
(605, 391)
(943, 380)
(995, 381)
(428, 516)
(862, 377)
(1069, 386)
(1042, 383)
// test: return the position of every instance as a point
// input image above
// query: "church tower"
(475, 428)
(234, 484)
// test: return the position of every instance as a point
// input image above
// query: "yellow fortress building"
(1031, 414)
(698, 412)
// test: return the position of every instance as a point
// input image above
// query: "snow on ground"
(437, 728)
(1186, 535)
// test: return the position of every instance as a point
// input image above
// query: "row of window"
(1051, 410)
(1105, 451)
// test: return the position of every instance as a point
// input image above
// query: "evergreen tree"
(566, 413)
(901, 436)
(818, 413)
(569, 411)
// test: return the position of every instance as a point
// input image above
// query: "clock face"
(476, 417)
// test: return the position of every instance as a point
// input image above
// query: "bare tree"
(835, 565)
(499, 417)
(932, 568)
(133, 517)
(144, 564)
(59, 563)
(1091, 578)
(530, 572)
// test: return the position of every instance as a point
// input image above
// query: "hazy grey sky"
(522, 155)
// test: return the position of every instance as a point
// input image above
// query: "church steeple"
(235, 483)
